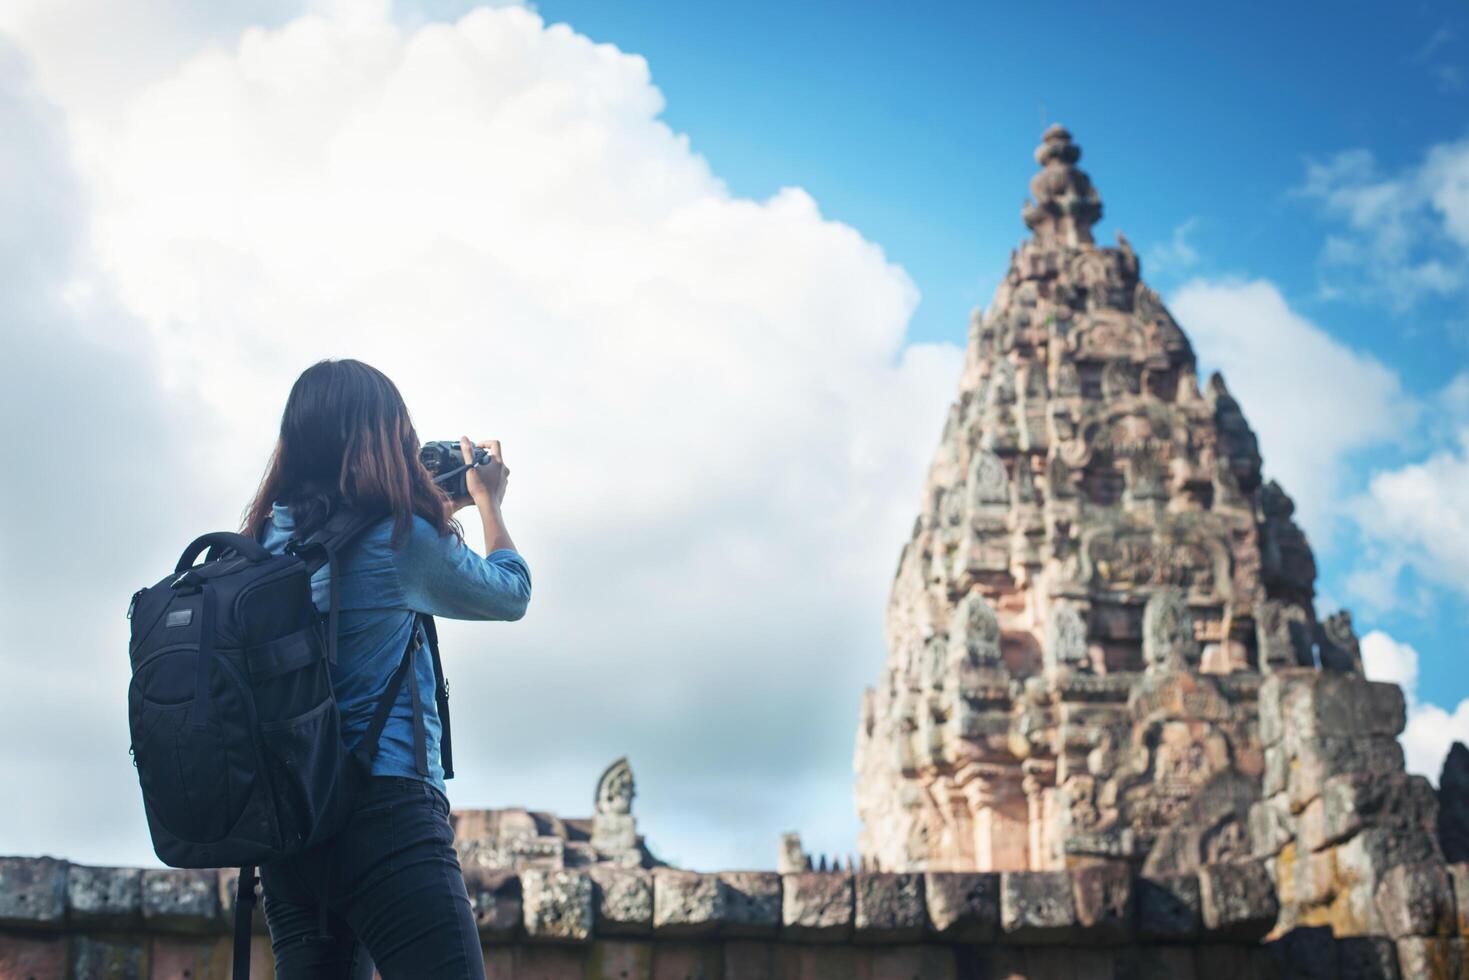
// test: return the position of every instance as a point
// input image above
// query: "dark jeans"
(394, 895)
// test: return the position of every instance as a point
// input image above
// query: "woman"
(387, 888)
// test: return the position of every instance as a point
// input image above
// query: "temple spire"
(1066, 204)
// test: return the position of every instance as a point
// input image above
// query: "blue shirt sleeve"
(442, 576)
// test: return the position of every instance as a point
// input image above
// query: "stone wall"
(64, 920)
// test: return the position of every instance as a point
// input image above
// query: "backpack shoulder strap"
(322, 547)
(441, 696)
(367, 748)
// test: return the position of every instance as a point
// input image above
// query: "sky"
(708, 277)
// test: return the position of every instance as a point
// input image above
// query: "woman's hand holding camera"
(487, 479)
(486, 483)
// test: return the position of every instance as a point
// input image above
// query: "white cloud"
(106, 486)
(1405, 235)
(1385, 659)
(707, 400)
(1418, 516)
(94, 55)
(1431, 730)
(1311, 399)
(1175, 255)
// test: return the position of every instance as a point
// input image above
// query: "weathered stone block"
(1220, 961)
(1319, 759)
(1365, 856)
(806, 961)
(1037, 907)
(751, 903)
(548, 962)
(1459, 884)
(985, 961)
(687, 961)
(747, 959)
(620, 958)
(624, 900)
(1050, 963)
(499, 961)
(1155, 963)
(817, 906)
(494, 895)
(1316, 878)
(1352, 801)
(105, 897)
(32, 892)
(1271, 827)
(32, 956)
(106, 959)
(1277, 768)
(1422, 958)
(1237, 900)
(1272, 726)
(1093, 962)
(1327, 704)
(1168, 908)
(963, 907)
(177, 900)
(1104, 902)
(557, 905)
(888, 907)
(1306, 954)
(1366, 958)
(687, 903)
(178, 957)
(929, 962)
(1416, 900)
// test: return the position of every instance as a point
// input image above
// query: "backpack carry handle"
(237, 543)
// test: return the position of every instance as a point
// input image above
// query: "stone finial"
(615, 788)
(793, 856)
(1066, 204)
(614, 829)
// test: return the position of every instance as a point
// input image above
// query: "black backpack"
(235, 729)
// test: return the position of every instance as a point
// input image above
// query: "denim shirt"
(382, 587)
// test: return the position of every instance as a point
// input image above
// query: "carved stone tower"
(1096, 581)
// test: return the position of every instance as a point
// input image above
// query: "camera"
(445, 461)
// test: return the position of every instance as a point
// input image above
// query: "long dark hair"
(346, 440)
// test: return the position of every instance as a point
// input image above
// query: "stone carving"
(1078, 624)
(988, 483)
(1168, 632)
(1289, 570)
(1065, 637)
(1337, 645)
(517, 839)
(1283, 636)
(615, 789)
(974, 633)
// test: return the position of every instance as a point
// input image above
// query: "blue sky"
(723, 400)
(915, 124)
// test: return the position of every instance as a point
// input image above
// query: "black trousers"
(392, 890)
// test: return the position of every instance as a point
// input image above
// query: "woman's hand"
(486, 484)
(487, 481)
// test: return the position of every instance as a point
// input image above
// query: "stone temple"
(1098, 580)
(1112, 739)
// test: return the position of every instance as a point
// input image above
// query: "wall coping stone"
(1094, 906)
